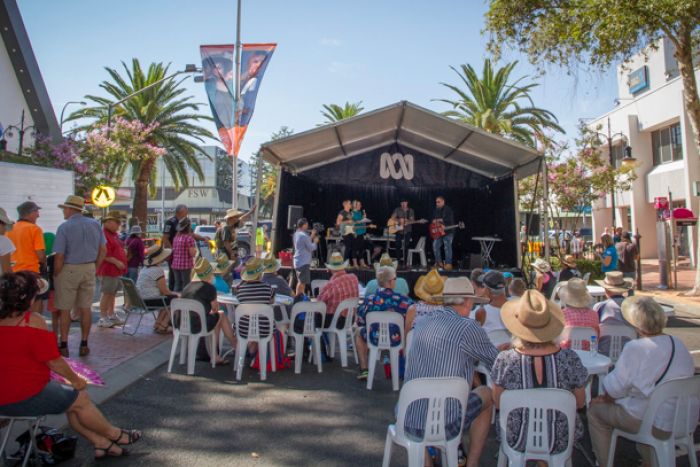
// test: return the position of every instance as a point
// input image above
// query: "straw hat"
(222, 265)
(157, 254)
(253, 270)
(203, 271)
(271, 264)
(628, 307)
(336, 262)
(386, 261)
(459, 287)
(570, 261)
(429, 285)
(541, 265)
(615, 282)
(3, 217)
(533, 318)
(233, 213)
(112, 216)
(135, 230)
(574, 293)
(74, 202)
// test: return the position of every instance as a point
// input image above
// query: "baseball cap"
(493, 280)
(27, 207)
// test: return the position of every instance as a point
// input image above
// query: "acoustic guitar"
(395, 226)
(439, 230)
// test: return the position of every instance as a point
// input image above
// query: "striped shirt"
(255, 292)
(444, 346)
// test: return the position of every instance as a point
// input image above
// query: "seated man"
(270, 276)
(401, 284)
(384, 300)
(609, 311)
(447, 345)
(341, 286)
(494, 291)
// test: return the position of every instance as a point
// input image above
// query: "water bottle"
(387, 367)
(594, 345)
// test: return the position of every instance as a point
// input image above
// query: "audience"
(270, 276)
(341, 286)
(30, 354)
(608, 258)
(401, 284)
(516, 289)
(644, 363)
(153, 288)
(134, 253)
(536, 361)
(609, 311)
(222, 273)
(427, 286)
(112, 268)
(545, 280)
(30, 248)
(568, 269)
(627, 255)
(577, 310)
(6, 245)
(253, 290)
(494, 286)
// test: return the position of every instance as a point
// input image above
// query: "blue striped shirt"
(79, 239)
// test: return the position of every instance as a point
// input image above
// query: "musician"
(443, 215)
(358, 244)
(343, 220)
(402, 215)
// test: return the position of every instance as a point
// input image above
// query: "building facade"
(651, 116)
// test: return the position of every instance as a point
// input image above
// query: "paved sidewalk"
(686, 279)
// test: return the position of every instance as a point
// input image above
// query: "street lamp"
(63, 111)
(21, 129)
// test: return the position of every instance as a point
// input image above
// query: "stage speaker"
(532, 225)
(294, 213)
(474, 261)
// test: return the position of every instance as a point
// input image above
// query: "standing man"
(403, 214)
(226, 235)
(30, 253)
(80, 249)
(112, 268)
(169, 232)
(304, 247)
(627, 255)
(443, 215)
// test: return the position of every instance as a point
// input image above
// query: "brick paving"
(686, 280)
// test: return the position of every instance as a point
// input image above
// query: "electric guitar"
(349, 227)
(395, 225)
(439, 230)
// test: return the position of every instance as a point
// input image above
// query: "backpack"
(281, 359)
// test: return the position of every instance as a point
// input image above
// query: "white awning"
(409, 126)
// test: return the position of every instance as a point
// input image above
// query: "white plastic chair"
(617, 334)
(499, 336)
(283, 324)
(258, 332)
(311, 310)
(33, 423)
(555, 292)
(384, 319)
(348, 305)
(685, 419)
(586, 277)
(419, 250)
(317, 286)
(183, 334)
(577, 336)
(436, 391)
(538, 403)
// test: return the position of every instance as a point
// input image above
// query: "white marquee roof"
(412, 127)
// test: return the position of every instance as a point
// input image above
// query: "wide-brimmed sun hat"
(387, 261)
(233, 213)
(615, 282)
(156, 254)
(74, 202)
(541, 265)
(533, 318)
(135, 230)
(222, 265)
(459, 287)
(271, 264)
(112, 216)
(569, 260)
(203, 271)
(574, 293)
(631, 311)
(429, 285)
(253, 270)
(336, 263)
(3, 217)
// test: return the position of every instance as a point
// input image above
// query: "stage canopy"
(409, 126)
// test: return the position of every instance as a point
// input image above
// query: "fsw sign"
(397, 166)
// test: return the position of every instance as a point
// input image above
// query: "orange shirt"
(27, 238)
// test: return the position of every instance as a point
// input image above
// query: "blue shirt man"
(79, 239)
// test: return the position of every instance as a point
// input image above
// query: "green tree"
(270, 173)
(492, 102)
(599, 33)
(335, 113)
(171, 117)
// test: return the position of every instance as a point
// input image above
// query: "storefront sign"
(638, 80)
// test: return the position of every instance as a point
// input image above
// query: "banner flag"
(254, 60)
(218, 73)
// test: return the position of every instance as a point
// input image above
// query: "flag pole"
(236, 101)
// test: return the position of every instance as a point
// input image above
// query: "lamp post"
(21, 129)
(63, 111)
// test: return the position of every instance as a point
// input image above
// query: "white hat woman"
(576, 303)
(545, 280)
(537, 361)
(153, 287)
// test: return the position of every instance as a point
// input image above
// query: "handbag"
(53, 447)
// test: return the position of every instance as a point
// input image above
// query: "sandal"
(161, 329)
(84, 350)
(107, 453)
(132, 436)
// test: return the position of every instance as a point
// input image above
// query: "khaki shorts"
(75, 286)
(110, 285)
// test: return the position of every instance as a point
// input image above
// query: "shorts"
(55, 398)
(75, 286)
(110, 285)
(304, 274)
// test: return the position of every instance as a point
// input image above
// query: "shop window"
(667, 144)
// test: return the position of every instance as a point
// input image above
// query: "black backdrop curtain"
(485, 206)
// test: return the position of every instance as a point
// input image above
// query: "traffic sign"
(103, 196)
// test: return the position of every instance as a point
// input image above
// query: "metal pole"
(612, 167)
(162, 194)
(21, 134)
(545, 213)
(258, 184)
(638, 240)
(236, 101)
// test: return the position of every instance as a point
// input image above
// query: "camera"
(319, 227)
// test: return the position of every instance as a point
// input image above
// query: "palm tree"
(493, 103)
(163, 105)
(335, 113)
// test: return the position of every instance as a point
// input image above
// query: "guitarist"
(342, 220)
(443, 215)
(358, 245)
(403, 214)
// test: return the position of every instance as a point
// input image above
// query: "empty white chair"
(260, 324)
(317, 286)
(182, 309)
(587, 277)
(311, 310)
(578, 336)
(538, 403)
(499, 337)
(33, 423)
(555, 292)
(419, 250)
(348, 306)
(618, 335)
(684, 422)
(384, 319)
(436, 392)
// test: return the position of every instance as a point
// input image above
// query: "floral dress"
(383, 300)
(562, 370)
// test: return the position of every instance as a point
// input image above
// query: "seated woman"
(426, 289)
(202, 290)
(545, 280)
(373, 285)
(577, 310)
(29, 354)
(153, 287)
(568, 268)
(643, 364)
(536, 361)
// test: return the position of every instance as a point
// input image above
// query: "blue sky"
(329, 51)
